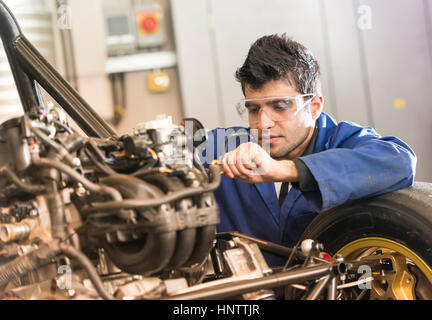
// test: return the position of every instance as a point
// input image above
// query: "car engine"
(120, 209)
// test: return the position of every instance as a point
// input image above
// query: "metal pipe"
(352, 267)
(14, 231)
(70, 100)
(237, 287)
(268, 246)
(264, 245)
(9, 30)
(331, 289)
(318, 288)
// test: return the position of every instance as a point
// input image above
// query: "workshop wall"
(375, 57)
(132, 100)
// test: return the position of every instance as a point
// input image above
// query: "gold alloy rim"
(352, 249)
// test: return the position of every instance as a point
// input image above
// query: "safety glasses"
(276, 108)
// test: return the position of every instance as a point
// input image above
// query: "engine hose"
(32, 261)
(62, 151)
(73, 253)
(102, 167)
(74, 175)
(146, 203)
(25, 264)
(34, 189)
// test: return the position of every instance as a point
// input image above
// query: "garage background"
(135, 60)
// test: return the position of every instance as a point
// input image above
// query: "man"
(320, 163)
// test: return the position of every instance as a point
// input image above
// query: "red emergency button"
(149, 24)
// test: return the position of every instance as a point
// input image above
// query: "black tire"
(403, 216)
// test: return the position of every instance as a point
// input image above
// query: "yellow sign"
(159, 81)
(399, 103)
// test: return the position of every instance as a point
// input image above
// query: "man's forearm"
(285, 171)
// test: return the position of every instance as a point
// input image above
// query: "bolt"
(231, 243)
(339, 258)
(76, 162)
(190, 175)
(33, 213)
(80, 191)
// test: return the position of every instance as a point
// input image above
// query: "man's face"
(287, 138)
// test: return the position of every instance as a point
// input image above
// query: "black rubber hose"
(74, 175)
(62, 151)
(96, 188)
(34, 189)
(73, 253)
(146, 203)
(64, 126)
(101, 166)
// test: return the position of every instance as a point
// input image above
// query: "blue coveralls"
(348, 162)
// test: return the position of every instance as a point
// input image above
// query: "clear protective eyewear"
(276, 108)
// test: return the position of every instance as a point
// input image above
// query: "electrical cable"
(101, 166)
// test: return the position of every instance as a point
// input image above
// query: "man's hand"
(252, 164)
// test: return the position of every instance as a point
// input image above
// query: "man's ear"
(316, 106)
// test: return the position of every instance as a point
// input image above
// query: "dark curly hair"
(275, 57)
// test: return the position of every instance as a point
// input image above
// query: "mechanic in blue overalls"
(301, 161)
